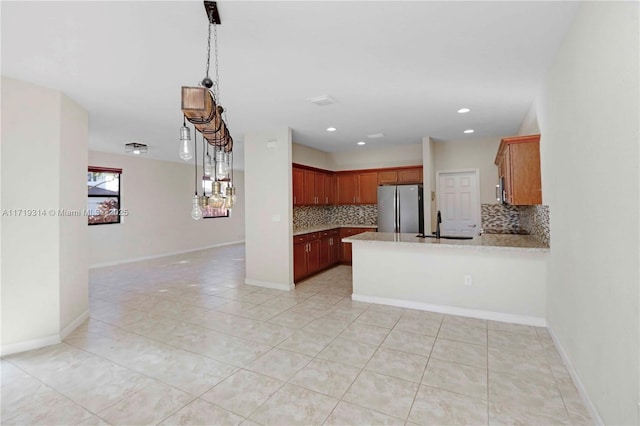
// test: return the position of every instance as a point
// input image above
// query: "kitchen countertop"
(513, 242)
(319, 228)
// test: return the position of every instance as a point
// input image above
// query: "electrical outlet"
(468, 280)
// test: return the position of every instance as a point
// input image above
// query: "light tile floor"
(181, 340)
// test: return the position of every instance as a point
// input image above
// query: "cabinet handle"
(326, 200)
(294, 199)
(354, 199)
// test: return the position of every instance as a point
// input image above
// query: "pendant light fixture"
(196, 210)
(201, 106)
(185, 141)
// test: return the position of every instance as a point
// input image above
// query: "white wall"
(428, 179)
(588, 110)
(269, 209)
(372, 158)
(476, 153)
(301, 154)
(158, 195)
(44, 274)
(507, 285)
(74, 134)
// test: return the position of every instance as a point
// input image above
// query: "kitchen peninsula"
(498, 277)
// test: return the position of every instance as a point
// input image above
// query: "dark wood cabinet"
(347, 184)
(313, 252)
(407, 176)
(345, 248)
(367, 188)
(518, 162)
(387, 177)
(298, 187)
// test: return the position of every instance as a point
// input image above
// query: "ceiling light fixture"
(135, 148)
(201, 107)
(463, 110)
(362, 143)
(331, 129)
(376, 136)
(469, 131)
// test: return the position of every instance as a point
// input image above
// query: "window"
(103, 202)
(209, 212)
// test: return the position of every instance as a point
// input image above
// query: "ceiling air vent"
(322, 100)
(376, 136)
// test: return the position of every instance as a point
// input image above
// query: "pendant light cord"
(195, 156)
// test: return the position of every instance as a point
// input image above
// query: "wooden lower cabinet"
(314, 252)
(345, 248)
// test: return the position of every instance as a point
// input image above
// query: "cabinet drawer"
(313, 236)
(325, 234)
(300, 238)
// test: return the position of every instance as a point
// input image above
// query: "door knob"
(472, 226)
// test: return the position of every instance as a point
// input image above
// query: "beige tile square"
(306, 343)
(327, 377)
(200, 412)
(425, 326)
(505, 413)
(379, 318)
(401, 365)
(413, 314)
(461, 353)
(439, 407)
(243, 392)
(21, 392)
(348, 352)
(532, 366)
(375, 391)
(326, 327)
(147, 406)
(458, 378)
(463, 333)
(349, 414)
(293, 405)
(365, 333)
(279, 364)
(464, 321)
(513, 341)
(290, 319)
(418, 344)
(51, 409)
(529, 396)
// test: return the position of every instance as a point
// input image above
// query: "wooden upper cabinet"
(410, 175)
(387, 177)
(319, 188)
(367, 188)
(330, 188)
(518, 162)
(347, 184)
(298, 187)
(309, 187)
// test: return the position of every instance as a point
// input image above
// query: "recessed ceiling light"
(469, 131)
(463, 110)
(362, 143)
(331, 129)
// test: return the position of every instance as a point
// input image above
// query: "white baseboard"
(74, 324)
(158, 256)
(15, 348)
(268, 284)
(576, 379)
(453, 310)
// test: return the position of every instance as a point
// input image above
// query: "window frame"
(94, 169)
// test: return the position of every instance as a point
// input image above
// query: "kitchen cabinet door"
(309, 187)
(330, 188)
(407, 176)
(347, 184)
(298, 186)
(325, 252)
(518, 161)
(367, 188)
(300, 269)
(319, 188)
(387, 177)
(313, 256)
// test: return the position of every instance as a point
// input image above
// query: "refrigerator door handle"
(399, 210)
(395, 209)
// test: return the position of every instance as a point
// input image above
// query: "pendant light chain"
(215, 55)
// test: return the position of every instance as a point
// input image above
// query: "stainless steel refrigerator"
(400, 209)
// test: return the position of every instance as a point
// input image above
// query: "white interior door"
(459, 202)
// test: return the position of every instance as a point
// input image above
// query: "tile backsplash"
(506, 219)
(308, 216)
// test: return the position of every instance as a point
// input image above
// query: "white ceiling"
(398, 68)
